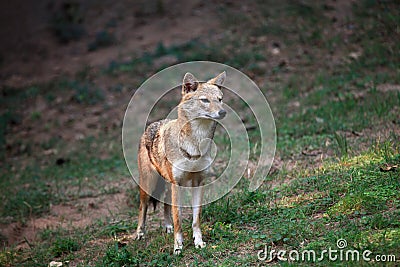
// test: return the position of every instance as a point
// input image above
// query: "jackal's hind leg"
(167, 219)
(144, 203)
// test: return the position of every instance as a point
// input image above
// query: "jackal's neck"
(196, 130)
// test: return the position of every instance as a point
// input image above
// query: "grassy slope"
(324, 102)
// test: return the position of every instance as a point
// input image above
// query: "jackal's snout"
(222, 113)
(214, 111)
(217, 116)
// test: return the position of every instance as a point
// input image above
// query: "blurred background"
(68, 68)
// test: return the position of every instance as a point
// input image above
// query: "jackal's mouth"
(216, 117)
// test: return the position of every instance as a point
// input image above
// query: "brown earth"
(31, 53)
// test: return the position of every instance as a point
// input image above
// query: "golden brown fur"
(179, 152)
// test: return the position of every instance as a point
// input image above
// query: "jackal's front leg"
(176, 217)
(196, 203)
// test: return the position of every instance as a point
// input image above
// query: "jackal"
(179, 152)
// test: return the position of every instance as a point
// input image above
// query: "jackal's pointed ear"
(189, 84)
(219, 80)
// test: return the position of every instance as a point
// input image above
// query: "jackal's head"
(202, 99)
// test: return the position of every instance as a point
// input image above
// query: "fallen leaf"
(388, 168)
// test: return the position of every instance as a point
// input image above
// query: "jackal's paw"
(178, 249)
(200, 244)
(169, 229)
(139, 235)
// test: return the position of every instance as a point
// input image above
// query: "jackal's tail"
(154, 202)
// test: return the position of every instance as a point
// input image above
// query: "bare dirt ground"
(31, 53)
(76, 214)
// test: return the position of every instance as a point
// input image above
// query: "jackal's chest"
(190, 150)
(193, 159)
(185, 171)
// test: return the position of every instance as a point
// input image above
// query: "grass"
(86, 93)
(67, 22)
(103, 38)
(63, 246)
(336, 130)
(36, 188)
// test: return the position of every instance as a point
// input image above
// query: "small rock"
(355, 55)
(55, 264)
(275, 51)
(51, 151)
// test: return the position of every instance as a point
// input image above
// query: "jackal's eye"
(220, 99)
(204, 100)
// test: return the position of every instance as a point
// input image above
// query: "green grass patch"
(29, 200)
(63, 246)
(40, 184)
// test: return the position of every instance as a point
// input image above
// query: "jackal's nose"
(222, 113)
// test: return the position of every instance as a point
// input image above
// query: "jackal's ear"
(189, 84)
(219, 80)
